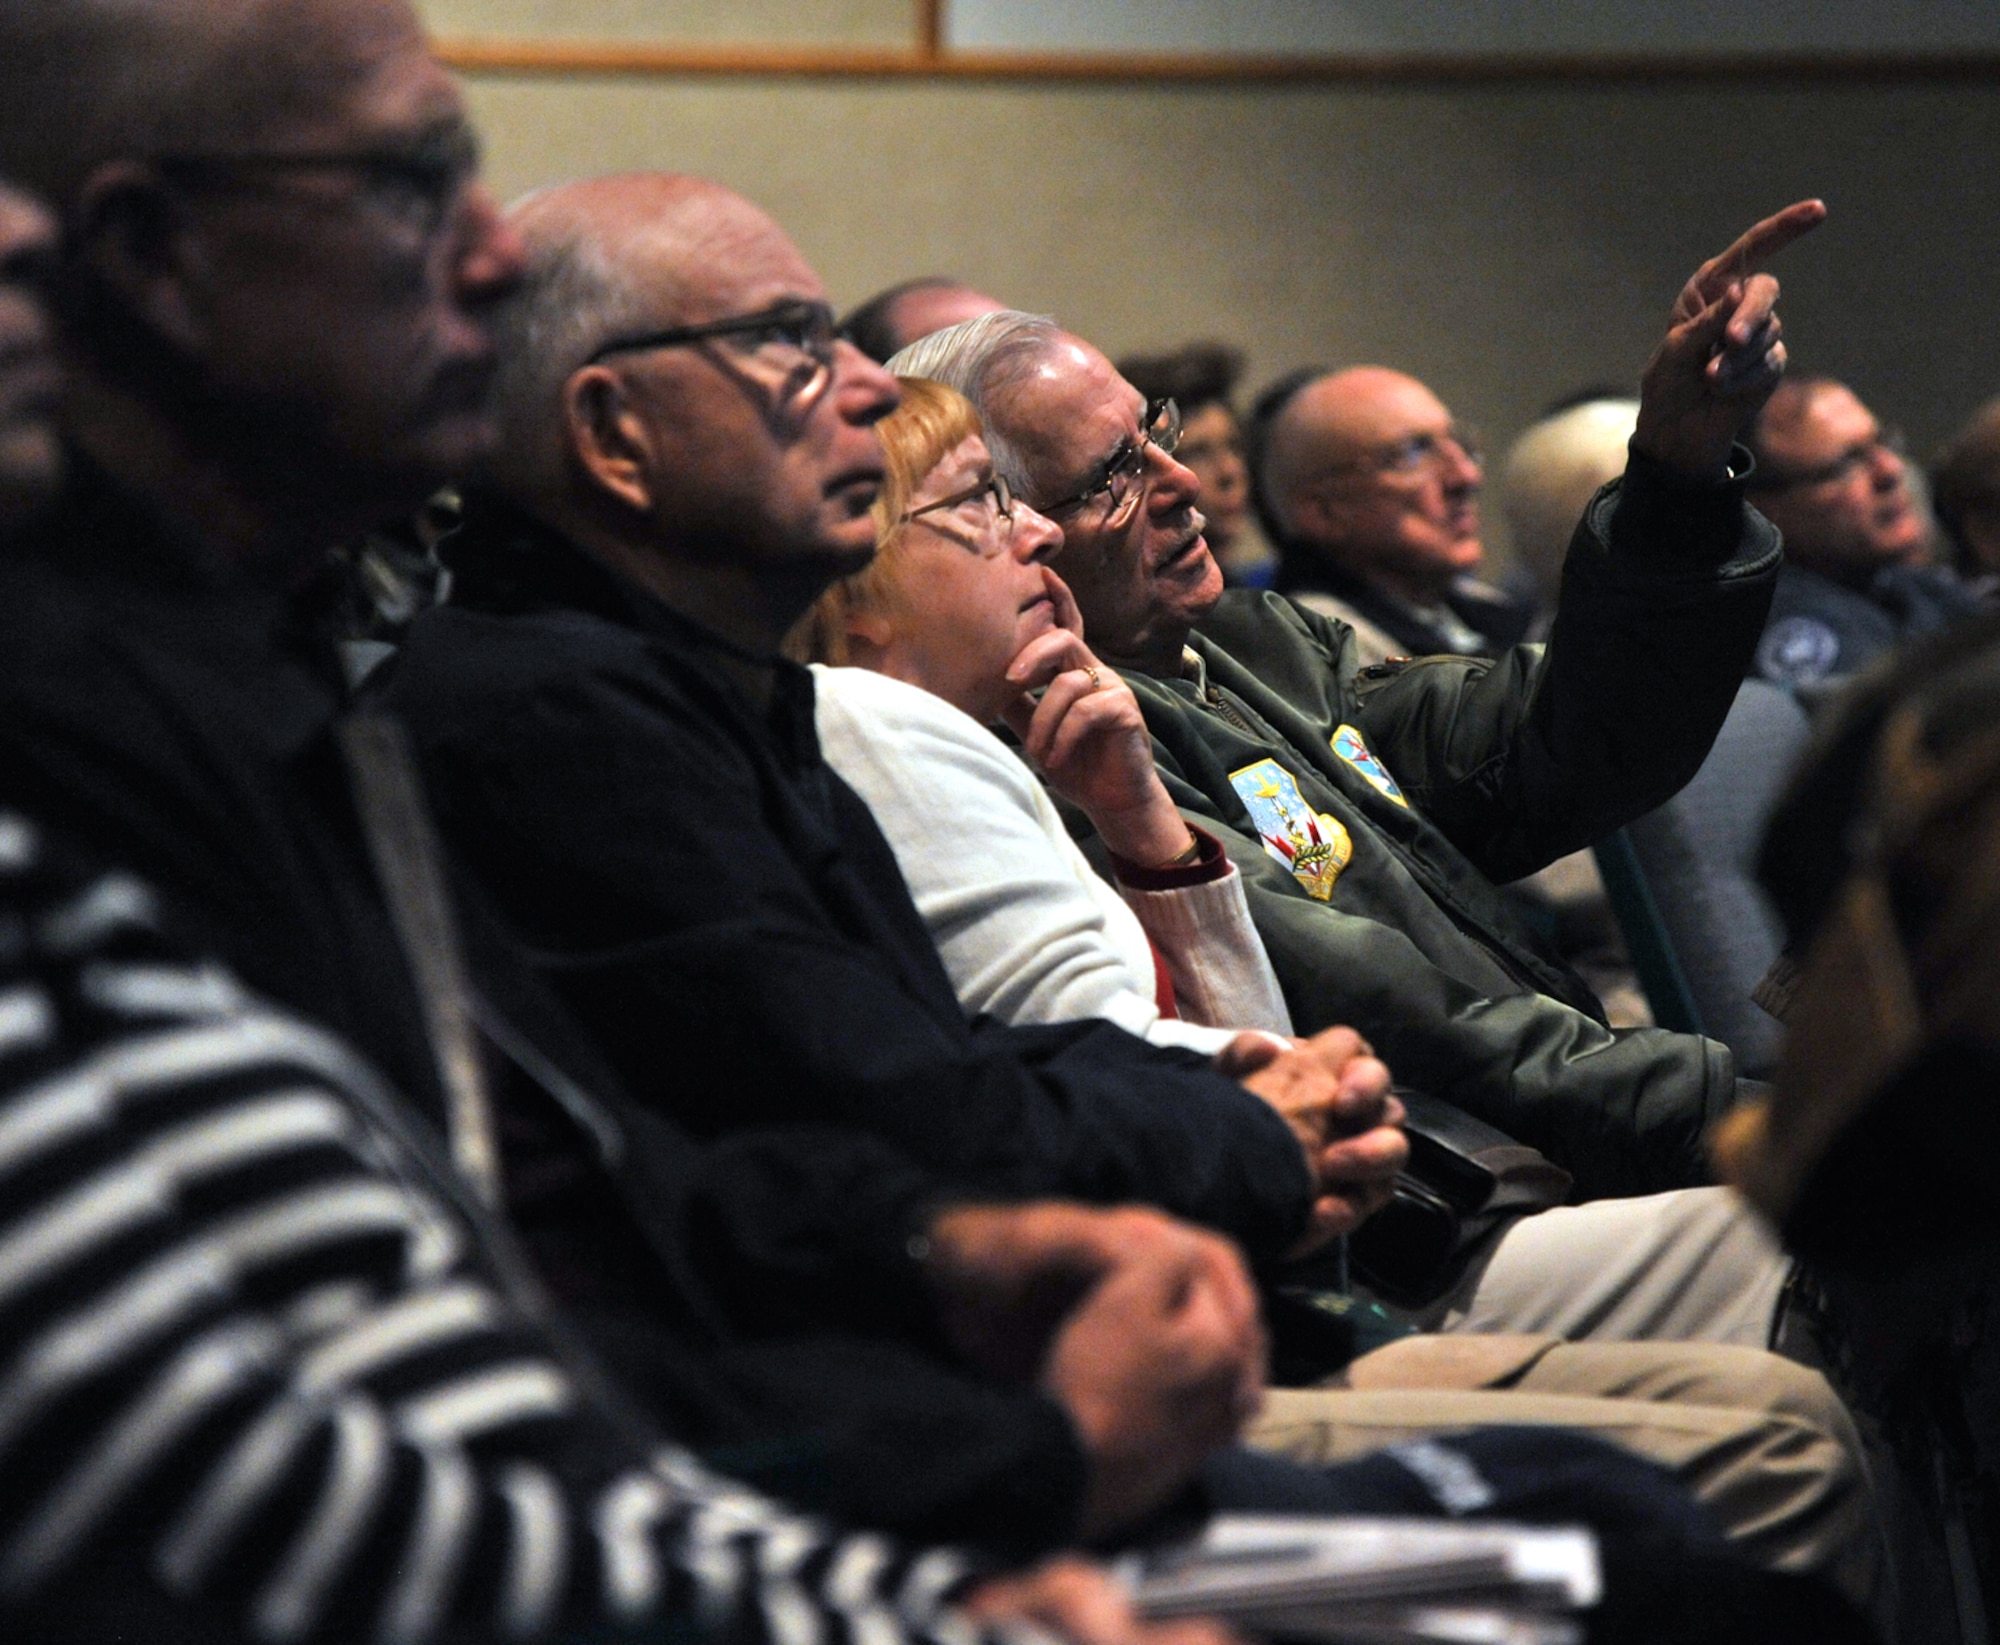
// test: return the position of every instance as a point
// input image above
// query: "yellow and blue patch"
(1347, 744)
(1314, 846)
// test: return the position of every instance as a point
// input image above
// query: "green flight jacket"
(1460, 773)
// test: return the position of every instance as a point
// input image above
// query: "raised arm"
(1722, 354)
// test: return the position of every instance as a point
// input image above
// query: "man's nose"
(491, 255)
(1462, 467)
(1886, 464)
(868, 391)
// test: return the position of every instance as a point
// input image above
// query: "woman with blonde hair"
(959, 625)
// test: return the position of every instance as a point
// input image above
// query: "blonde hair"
(929, 423)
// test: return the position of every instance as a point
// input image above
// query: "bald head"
(87, 81)
(608, 258)
(1365, 470)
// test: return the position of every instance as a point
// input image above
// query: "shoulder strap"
(404, 849)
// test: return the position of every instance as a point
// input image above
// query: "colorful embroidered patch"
(1348, 745)
(1310, 843)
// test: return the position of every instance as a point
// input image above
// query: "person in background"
(1201, 379)
(1858, 579)
(1965, 491)
(1553, 468)
(1370, 491)
(896, 318)
(30, 376)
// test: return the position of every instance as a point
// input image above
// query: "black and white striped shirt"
(264, 1376)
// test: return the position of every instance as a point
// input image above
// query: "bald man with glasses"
(1370, 490)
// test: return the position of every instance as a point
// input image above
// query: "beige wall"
(1505, 243)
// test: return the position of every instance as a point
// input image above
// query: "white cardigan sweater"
(1028, 931)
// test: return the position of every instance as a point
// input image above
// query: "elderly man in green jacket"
(1372, 811)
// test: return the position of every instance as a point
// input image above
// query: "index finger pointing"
(1759, 244)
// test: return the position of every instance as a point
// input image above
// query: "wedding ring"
(1096, 679)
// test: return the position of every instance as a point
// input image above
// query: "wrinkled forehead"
(1066, 413)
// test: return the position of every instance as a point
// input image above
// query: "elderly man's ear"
(133, 237)
(610, 437)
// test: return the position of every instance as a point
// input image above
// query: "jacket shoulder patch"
(1347, 744)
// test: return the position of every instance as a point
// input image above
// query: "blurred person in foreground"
(279, 266)
(1858, 578)
(1965, 490)
(1201, 379)
(284, 1289)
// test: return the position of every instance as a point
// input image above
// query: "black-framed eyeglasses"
(1119, 479)
(416, 186)
(1416, 452)
(794, 340)
(1861, 454)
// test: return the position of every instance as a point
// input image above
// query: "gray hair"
(1552, 470)
(981, 358)
(574, 296)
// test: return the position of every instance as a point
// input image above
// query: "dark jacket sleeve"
(1524, 760)
(741, 975)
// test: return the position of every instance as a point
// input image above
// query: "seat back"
(1697, 855)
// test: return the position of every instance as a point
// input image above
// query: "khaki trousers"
(1692, 1265)
(1765, 1444)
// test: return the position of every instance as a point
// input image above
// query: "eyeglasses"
(791, 343)
(416, 187)
(1120, 477)
(1414, 453)
(1861, 454)
(1003, 513)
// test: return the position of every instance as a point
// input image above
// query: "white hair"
(1552, 470)
(980, 358)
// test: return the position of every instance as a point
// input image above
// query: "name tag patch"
(1348, 745)
(1314, 846)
